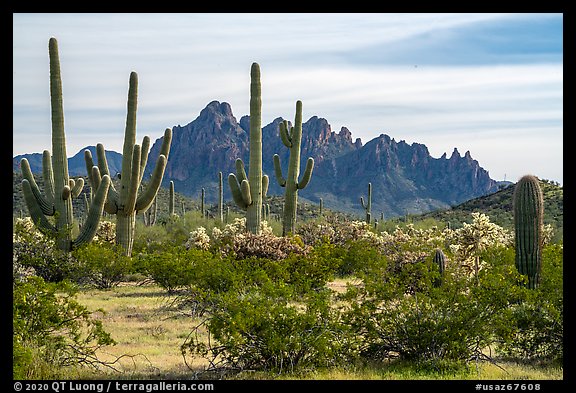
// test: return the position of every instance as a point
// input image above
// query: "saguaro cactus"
(150, 214)
(171, 205)
(248, 191)
(59, 188)
(368, 205)
(292, 138)
(126, 202)
(528, 205)
(220, 198)
(440, 261)
(202, 207)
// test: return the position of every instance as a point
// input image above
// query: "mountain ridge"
(405, 178)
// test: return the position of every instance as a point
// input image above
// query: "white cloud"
(186, 61)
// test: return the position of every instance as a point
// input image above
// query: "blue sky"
(488, 83)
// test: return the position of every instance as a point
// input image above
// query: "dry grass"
(149, 331)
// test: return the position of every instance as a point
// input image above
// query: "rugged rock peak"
(345, 134)
(455, 154)
(317, 128)
(216, 109)
(245, 123)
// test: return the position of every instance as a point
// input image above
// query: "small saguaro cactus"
(368, 205)
(126, 202)
(171, 204)
(59, 188)
(321, 207)
(150, 214)
(292, 139)
(440, 261)
(220, 198)
(248, 191)
(528, 205)
(202, 208)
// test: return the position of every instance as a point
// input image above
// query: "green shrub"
(175, 267)
(104, 265)
(401, 312)
(52, 330)
(31, 249)
(263, 329)
(538, 320)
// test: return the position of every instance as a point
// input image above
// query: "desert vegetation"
(241, 294)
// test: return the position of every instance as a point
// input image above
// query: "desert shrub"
(103, 264)
(263, 329)
(31, 249)
(174, 267)
(401, 313)
(538, 321)
(52, 330)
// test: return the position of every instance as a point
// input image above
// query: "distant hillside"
(498, 206)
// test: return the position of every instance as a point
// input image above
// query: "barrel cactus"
(528, 205)
(59, 187)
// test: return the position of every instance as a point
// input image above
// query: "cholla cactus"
(106, 233)
(198, 239)
(468, 242)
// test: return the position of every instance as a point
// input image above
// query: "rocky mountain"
(76, 164)
(404, 177)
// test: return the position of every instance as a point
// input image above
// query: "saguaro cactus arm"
(265, 183)
(94, 213)
(237, 193)
(278, 171)
(45, 204)
(307, 174)
(36, 213)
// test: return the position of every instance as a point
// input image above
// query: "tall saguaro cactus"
(292, 138)
(126, 202)
(528, 205)
(368, 205)
(248, 191)
(59, 187)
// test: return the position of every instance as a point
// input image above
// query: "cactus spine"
(248, 191)
(59, 188)
(368, 205)
(292, 138)
(126, 202)
(528, 205)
